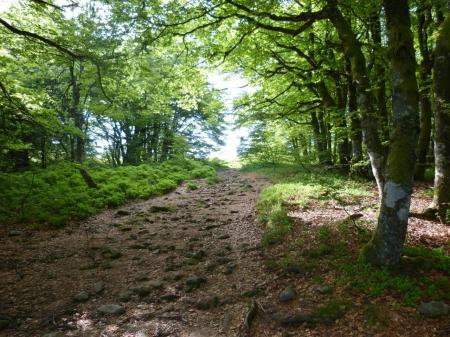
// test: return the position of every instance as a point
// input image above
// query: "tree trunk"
(424, 21)
(380, 77)
(341, 123)
(369, 118)
(90, 182)
(355, 121)
(441, 199)
(389, 237)
(320, 140)
(77, 142)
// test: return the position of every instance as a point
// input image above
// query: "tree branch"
(35, 36)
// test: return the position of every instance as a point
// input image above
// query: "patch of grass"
(278, 224)
(436, 258)
(212, 180)
(376, 314)
(296, 186)
(191, 186)
(331, 311)
(58, 194)
(422, 274)
(423, 278)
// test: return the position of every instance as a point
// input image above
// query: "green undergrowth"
(58, 194)
(298, 187)
(422, 274)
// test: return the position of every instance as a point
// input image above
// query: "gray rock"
(223, 260)
(287, 295)
(122, 212)
(111, 309)
(433, 309)
(54, 334)
(169, 297)
(206, 303)
(194, 282)
(98, 287)
(293, 319)
(82, 296)
(160, 208)
(14, 232)
(323, 289)
(142, 278)
(125, 296)
(142, 291)
(156, 284)
(294, 268)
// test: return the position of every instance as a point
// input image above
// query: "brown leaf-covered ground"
(194, 256)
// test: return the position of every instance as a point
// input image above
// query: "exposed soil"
(159, 244)
(188, 263)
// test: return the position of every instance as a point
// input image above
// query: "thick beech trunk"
(389, 237)
(441, 199)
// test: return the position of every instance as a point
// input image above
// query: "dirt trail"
(177, 265)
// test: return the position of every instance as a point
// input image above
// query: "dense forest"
(106, 103)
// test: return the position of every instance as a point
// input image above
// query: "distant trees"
(77, 86)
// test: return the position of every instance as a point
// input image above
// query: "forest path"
(182, 264)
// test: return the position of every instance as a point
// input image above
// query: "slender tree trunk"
(320, 141)
(424, 20)
(389, 237)
(355, 121)
(77, 142)
(324, 134)
(341, 123)
(441, 199)
(369, 118)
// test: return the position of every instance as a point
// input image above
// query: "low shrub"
(58, 194)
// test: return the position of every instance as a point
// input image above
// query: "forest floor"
(191, 264)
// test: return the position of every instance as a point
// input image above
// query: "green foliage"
(277, 221)
(294, 186)
(436, 258)
(191, 186)
(58, 194)
(331, 311)
(212, 180)
(423, 277)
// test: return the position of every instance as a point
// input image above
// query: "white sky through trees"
(232, 86)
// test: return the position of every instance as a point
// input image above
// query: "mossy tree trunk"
(441, 199)
(369, 118)
(389, 237)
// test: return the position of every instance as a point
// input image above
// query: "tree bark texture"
(389, 237)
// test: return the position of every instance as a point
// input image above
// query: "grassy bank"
(316, 220)
(59, 194)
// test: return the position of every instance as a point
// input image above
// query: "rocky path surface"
(183, 264)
